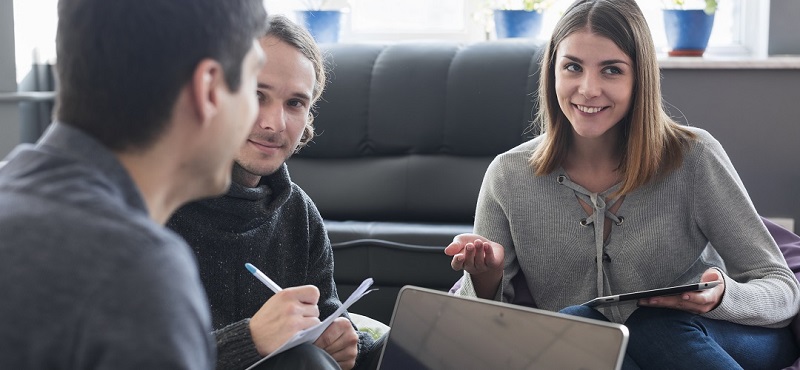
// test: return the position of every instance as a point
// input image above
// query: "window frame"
(751, 39)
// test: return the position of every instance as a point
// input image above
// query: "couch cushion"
(399, 124)
(411, 188)
(789, 244)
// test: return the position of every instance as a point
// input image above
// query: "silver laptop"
(435, 330)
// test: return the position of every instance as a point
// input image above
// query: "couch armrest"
(392, 265)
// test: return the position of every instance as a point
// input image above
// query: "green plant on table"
(373, 332)
(710, 8)
(314, 4)
(527, 5)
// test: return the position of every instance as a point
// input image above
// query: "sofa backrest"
(406, 131)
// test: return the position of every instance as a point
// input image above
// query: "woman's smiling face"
(594, 83)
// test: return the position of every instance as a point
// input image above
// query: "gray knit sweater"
(662, 239)
(277, 228)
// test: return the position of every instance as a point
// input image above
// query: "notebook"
(435, 330)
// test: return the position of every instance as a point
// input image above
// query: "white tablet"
(673, 290)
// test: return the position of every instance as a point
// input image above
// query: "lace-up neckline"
(600, 206)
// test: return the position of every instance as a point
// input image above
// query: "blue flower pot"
(322, 24)
(687, 31)
(517, 23)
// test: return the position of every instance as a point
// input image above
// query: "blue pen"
(264, 279)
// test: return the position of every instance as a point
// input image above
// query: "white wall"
(9, 114)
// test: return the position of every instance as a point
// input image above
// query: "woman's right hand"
(475, 254)
(481, 258)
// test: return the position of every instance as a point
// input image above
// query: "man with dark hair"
(268, 220)
(155, 98)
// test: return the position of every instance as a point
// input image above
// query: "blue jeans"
(663, 338)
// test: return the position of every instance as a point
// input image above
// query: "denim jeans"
(663, 338)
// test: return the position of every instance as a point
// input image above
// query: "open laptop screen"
(434, 330)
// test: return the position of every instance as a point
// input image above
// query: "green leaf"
(373, 332)
(537, 5)
(711, 6)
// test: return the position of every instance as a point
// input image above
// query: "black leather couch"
(405, 133)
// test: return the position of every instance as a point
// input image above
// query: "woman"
(616, 197)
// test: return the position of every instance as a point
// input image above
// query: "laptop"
(431, 329)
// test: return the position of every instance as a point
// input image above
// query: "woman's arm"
(759, 287)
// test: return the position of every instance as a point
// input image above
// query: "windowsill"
(719, 62)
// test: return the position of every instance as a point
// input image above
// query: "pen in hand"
(264, 279)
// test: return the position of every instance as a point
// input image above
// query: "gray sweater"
(88, 280)
(663, 238)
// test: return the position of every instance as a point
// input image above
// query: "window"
(740, 26)
(417, 16)
(35, 24)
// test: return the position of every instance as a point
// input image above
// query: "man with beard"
(267, 220)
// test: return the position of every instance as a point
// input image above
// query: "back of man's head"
(122, 63)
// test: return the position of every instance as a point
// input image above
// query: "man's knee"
(305, 356)
(370, 360)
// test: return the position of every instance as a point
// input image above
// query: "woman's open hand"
(481, 258)
(475, 254)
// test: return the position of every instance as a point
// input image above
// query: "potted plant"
(688, 29)
(324, 25)
(519, 18)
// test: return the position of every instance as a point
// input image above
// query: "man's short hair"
(122, 63)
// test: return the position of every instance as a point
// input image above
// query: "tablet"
(673, 290)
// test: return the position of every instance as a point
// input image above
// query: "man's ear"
(207, 79)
